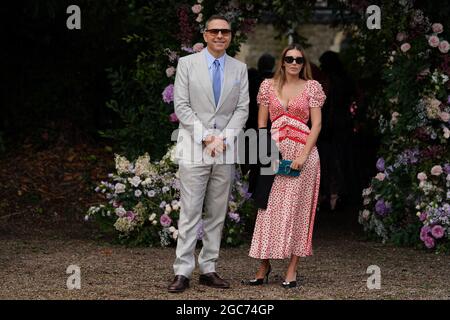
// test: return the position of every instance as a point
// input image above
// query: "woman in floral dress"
(285, 228)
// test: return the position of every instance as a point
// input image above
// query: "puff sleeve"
(315, 94)
(263, 94)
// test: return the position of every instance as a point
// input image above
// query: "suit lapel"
(204, 78)
(227, 80)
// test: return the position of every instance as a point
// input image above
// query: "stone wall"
(320, 36)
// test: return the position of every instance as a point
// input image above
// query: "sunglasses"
(289, 59)
(215, 32)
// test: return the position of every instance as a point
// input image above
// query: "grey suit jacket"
(196, 110)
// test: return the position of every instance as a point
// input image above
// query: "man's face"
(217, 42)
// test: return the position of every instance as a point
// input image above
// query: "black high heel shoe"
(290, 284)
(260, 281)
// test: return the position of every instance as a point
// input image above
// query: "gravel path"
(35, 268)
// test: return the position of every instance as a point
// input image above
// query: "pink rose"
(405, 47)
(444, 46)
(165, 220)
(437, 28)
(170, 72)
(433, 41)
(424, 233)
(445, 116)
(401, 36)
(422, 176)
(437, 231)
(198, 47)
(436, 170)
(197, 8)
(429, 242)
(173, 117)
(380, 176)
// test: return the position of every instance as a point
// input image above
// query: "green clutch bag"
(284, 168)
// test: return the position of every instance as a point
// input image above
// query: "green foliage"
(411, 107)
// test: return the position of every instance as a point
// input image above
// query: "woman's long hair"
(280, 73)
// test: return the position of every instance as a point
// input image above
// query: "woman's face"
(294, 67)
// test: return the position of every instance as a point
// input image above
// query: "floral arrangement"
(433, 206)
(142, 203)
(407, 201)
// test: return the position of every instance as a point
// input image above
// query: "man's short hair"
(216, 17)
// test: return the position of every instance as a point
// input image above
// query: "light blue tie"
(216, 81)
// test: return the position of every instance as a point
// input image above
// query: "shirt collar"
(210, 59)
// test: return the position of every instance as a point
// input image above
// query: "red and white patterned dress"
(285, 228)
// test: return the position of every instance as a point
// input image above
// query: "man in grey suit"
(211, 102)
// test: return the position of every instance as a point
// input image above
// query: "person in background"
(335, 138)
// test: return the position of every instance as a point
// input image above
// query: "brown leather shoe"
(179, 284)
(212, 279)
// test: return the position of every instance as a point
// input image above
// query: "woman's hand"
(298, 163)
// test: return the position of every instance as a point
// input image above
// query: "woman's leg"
(291, 272)
(263, 268)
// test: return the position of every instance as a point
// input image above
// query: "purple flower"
(200, 230)
(448, 99)
(437, 231)
(447, 168)
(234, 216)
(130, 215)
(380, 164)
(423, 216)
(162, 204)
(165, 220)
(382, 208)
(187, 49)
(167, 94)
(429, 242)
(424, 233)
(176, 184)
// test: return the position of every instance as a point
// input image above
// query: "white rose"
(380, 176)
(168, 208)
(119, 188)
(172, 229)
(446, 133)
(365, 214)
(120, 211)
(445, 116)
(135, 181)
(175, 235)
(170, 72)
(152, 217)
(154, 222)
